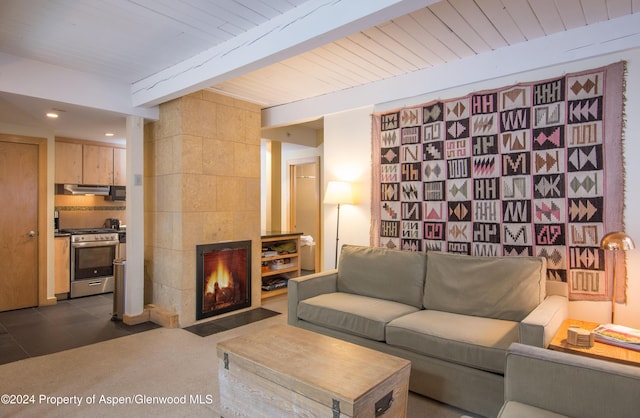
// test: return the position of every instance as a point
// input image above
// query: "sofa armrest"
(570, 384)
(540, 326)
(306, 287)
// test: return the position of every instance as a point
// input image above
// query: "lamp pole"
(614, 285)
(615, 242)
(337, 237)
(338, 192)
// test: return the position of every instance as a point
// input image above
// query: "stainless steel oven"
(92, 255)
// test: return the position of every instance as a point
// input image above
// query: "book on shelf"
(618, 335)
(274, 283)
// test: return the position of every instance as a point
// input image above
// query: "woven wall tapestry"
(530, 169)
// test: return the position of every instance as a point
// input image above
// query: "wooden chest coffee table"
(286, 371)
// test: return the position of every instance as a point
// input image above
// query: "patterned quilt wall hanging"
(530, 169)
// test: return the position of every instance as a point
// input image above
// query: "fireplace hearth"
(223, 278)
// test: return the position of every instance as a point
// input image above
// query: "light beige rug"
(158, 373)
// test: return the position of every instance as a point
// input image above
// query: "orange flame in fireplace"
(221, 275)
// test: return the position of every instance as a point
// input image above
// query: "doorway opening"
(304, 210)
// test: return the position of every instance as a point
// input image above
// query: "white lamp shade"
(338, 192)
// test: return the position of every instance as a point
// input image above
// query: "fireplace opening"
(223, 278)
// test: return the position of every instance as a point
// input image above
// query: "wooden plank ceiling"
(444, 32)
(129, 40)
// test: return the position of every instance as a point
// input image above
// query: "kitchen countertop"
(66, 234)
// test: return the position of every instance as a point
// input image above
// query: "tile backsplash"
(87, 211)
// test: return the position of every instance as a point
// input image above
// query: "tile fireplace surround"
(202, 177)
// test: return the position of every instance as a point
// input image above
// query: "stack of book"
(618, 335)
(272, 283)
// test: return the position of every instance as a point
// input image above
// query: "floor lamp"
(338, 192)
(616, 241)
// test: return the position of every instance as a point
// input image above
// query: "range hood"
(82, 189)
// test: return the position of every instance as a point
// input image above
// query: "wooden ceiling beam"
(310, 25)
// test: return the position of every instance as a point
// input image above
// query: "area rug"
(165, 372)
(232, 321)
(529, 169)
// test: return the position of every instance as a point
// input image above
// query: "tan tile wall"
(202, 186)
(87, 211)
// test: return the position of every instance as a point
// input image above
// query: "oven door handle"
(93, 244)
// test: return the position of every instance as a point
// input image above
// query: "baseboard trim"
(136, 319)
(163, 317)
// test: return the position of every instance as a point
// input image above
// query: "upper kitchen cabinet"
(88, 163)
(119, 166)
(97, 164)
(68, 163)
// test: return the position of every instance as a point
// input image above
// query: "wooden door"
(18, 225)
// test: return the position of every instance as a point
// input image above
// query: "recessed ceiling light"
(108, 134)
(52, 115)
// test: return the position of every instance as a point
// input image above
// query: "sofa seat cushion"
(472, 341)
(356, 314)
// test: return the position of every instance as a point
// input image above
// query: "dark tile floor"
(69, 324)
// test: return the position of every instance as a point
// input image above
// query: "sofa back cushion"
(382, 273)
(506, 288)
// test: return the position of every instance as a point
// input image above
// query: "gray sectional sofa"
(544, 384)
(452, 316)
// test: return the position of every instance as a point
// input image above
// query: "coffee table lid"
(319, 367)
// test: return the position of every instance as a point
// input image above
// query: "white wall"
(348, 156)
(629, 314)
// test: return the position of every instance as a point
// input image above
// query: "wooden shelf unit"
(274, 238)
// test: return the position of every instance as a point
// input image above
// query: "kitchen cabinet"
(68, 163)
(119, 166)
(82, 163)
(62, 264)
(97, 164)
(280, 261)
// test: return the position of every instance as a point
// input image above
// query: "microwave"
(117, 193)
